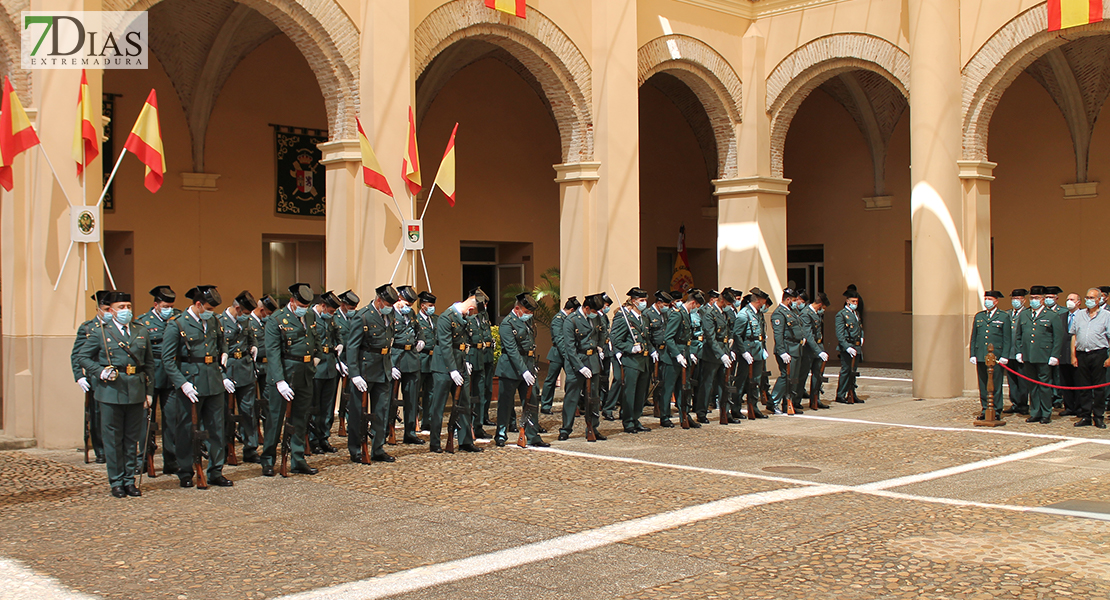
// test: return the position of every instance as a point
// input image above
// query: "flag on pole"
(16, 133)
(1063, 14)
(410, 165)
(445, 178)
(682, 278)
(371, 169)
(145, 142)
(513, 7)
(85, 139)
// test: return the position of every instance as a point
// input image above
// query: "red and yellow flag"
(1073, 13)
(513, 7)
(445, 178)
(410, 165)
(681, 277)
(86, 144)
(16, 133)
(145, 142)
(371, 169)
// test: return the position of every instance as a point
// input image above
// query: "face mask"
(821, 312)
(1034, 304)
(1049, 301)
(763, 309)
(695, 319)
(1015, 303)
(666, 309)
(593, 315)
(852, 307)
(429, 310)
(1071, 304)
(300, 311)
(800, 304)
(241, 319)
(641, 305)
(387, 310)
(988, 303)
(526, 317)
(737, 303)
(206, 315)
(678, 306)
(325, 316)
(165, 312)
(264, 319)
(1091, 303)
(123, 316)
(404, 310)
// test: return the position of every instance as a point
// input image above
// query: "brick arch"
(326, 37)
(710, 77)
(803, 70)
(9, 50)
(537, 43)
(1011, 50)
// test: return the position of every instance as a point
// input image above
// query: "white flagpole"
(398, 265)
(63, 269)
(108, 184)
(106, 268)
(427, 279)
(428, 201)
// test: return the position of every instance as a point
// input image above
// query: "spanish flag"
(445, 178)
(681, 277)
(16, 133)
(513, 7)
(145, 142)
(1063, 14)
(86, 144)
(410, 165)
(371, 169)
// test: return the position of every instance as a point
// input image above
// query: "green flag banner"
(300, 176)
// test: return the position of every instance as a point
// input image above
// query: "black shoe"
(356, 459)
(600, 437)
(1033, 420)
(666, 423)
(488, 423)
(858, 401)
(481, 435)
(306, 470)
(413, 439)
(187, 483)
(842, 400)
(822, 405)
(500, 443)
(545, 411)
(221, 481)
(1084, 422)
(541, 429)
(1023, 411)
(268, 470)
(563, 436)
(1100, 422)
(132, 490)
(540, 444)
(252, 458)
(1069, 413)
(702, 419)
(982, 416)
(694, 424)
(1046, 420)
(328, 448)
(100, 460)
(435, 449)
(119, 492)
(608, 416)
(642, 429)
(631, 430)
(168, 470)
(469, 448)
(382, 457)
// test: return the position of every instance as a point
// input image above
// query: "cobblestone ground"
(702, 513)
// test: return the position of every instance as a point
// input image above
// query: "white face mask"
(1071, 304)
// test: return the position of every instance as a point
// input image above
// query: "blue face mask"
(988, 303)
(404, 310)
(387, 310)
(641, 305)
(165, 313)
(666, 308)
(593, 315)
(763, 309)
(1049, 301)
(1034, 303)
(605, 310)
(242, 318)
(300, 311)
(1015, 303)
(1091, 303)
(123, 316)
(737, 303)
(821, 312)
(264, 319)
(429, 310)
(526, 317)
(800, 304)
(695, 319)
(325, 316)
(206, 315)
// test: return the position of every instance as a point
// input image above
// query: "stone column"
(579, 267)
(941, 276)
(976, 176)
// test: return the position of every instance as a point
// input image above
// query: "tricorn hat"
(993, 293)
(206, 294)
(302, 293)
(427, 297)
(664, 297)
(1036, 290)
(527, 301)
(246, 300)
(329, 299)
(268, 303)
(407, 293)
(163, 293)
(572, 303)
(387, 292)
(101, 297)
(637, 293)
(349, 297)
(114, 297)
(1019, 292)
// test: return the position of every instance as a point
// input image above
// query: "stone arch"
(545, 53)
(999, 61)
(710, 77)
(9, 50)
(327, 38)
(811, 65)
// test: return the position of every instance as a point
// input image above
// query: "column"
(578, 266)
(976, 177)
(941, 275)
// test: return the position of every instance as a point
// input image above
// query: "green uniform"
(368, 356)
(325, 382)
(990, 327)
(554, 362)
(631, 342)
(849, 334)
(713, 348)
(578, 345)
(239, 340)
(677, 342)
(480, 357)
(344, 322)
(518, 355)
(1019, 388)
(121, 400)
(726, 401)
(611, 394)
(261, 390)
(93, 415)
(1040, 336)
(814, 325)
(427, 324)
(406, 337)
(656, 321)
(789, 333)
(1057, 396)
(450, 356)
(749, 332)
(291, 346)
(163, 388)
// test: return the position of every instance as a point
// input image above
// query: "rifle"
(591, 435)
(730, 389)
(365, 429)
(342, 411)
(286, 439)
(231, 427)
(815, 391)
(391, 423)
(453, 422)
(656, 411)
(88, 422)
(151, 447)
(751, 403)
(198, 448)
(525, 417)
(257, 406)
(682, 417)
(786, 399)
(852, 398)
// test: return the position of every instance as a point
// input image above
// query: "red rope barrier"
(1055, 387)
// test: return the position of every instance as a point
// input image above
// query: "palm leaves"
(546, 294)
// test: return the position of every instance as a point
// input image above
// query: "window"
(289, 260)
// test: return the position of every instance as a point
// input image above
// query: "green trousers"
(121, 428)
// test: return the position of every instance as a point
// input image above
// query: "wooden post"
(992, 412)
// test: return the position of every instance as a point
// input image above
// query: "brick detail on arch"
(710, 77)
(538, 43)
(9, 49)
(326, 37)
(803, 70)
(1012, 49)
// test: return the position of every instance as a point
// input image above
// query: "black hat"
(246, 300)
(163, 293)
(594, 301)
(728, 295)
(1053, 289)
(1105, 289)
(268, 303)
(572, 303)
(637, 293)
(606, 299)
(328, 298)
(101, 297)
(802, 294)
(387, 292)
(993, 293)
(407, 293)
(527, 301)
(114, 297)
(302, 293)
(849, 294)
(664, 297)
(427, 297)
(822, 298)
(1036, 290)
(677, 294)
(478, 294)
(349, 297)
(758, 293)
(711, 294)
(1020, 292)
(789, 293)
(206, 294)
(696, 295)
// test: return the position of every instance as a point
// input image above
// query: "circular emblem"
(86, 222)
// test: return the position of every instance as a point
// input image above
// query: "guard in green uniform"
(451, 375)
(610, 396)
(344, 320)
(1040, 338)
(789, 334)
(516, 372)
(813, 351)
(555, 360)
(1019, 388)
(155, 322)
(408, 343)
(241, 348)
(849, 339)
(372, 372)
(677, 339)
(655, 317)
(292, 352)
(87, 381)
(729, 304)
(426, 319)
(1051, 295)
(191, 350)
(118, 353)
(325, 383)
(633, 349)
(990, 326)
(749, 333)
(257, 323)
(578, 345)
(714, 355)
(480, 358)
(693, 373)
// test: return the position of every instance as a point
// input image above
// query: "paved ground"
(894, 498)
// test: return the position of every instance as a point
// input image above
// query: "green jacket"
(788, 331)
(518, 348)
(749, 331)
(556, 335)
(258, 330)
(656, 328)
(131, 355)
(328, 339)
(155, 332)
(238, 339)
(578, 344)
(624, 340)
(452, 337)
(713, 332)
(991, 327)
(480, 354)
(1040, 335)
(849, 331)
(604, 330)
(813, 324)
(370, 345)
(191, 353)
(406, 332)
(78, 342)
(677, 336)
(427, 333)
(698, 338)
(290, 346)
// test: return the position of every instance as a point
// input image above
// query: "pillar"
(578, 266)
(976, 177)
(941, 279)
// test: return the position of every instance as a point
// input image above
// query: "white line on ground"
(21, 583)
(991, 430)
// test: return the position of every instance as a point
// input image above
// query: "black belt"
(127, 370)
(403, 346)
(297, 358)
(382, 351)
(207, 360)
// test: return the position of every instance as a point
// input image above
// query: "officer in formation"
(656, 315)
(1039, 341)
(849, 336)
(426, 319)
(990, 327)
(480, 359)
(812, 316)
(292, 347)
(370, 363)
(678, 359)
(344, 318)
(789, 336)
(579, 347)
(451, 376)
(408, 343)
(87, 381)
(632, 350)
(155, 321)
(750, 342)
(325, 383)
(516, 372)
(241, 350)
(1019, 388)
(257, 323)
(555, 355)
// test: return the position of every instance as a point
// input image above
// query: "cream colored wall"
(719, 30)
(980, 19)
(187, 238)
(787, 32)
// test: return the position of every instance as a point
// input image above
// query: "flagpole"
(84, 202)
(398, 265)
(108, 184)
(63, 269)
(429, 201)
(106, 268)
(427, 279)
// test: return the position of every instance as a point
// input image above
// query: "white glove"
(149, 400)
(84, 384)
(823, 356)
(316, 361)
(974, 361)
(360, 383)
(619, 355)
(106, 373)
(456, 377)
(339, 349)
(287, 392)
(223, 359)
(636, 349)
(655, 357)
(1053, 361)
(1003, 361)
(748, 357)
(732, 355)
(419, 345)
(681, 360)
(694, 358)
(254, 352)
(852, 352)
(469, 369)
(529, 378)
(600, 353)
(190, 392)
(229, 385)
(786, 358)
(726, 361)
(342, 368)
(1018, 358)
(395, 373)
(586, 372)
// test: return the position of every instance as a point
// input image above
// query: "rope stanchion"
(1055, 387)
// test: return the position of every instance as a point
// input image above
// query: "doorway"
(482, 266)
(805, 268)
(119, 254)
